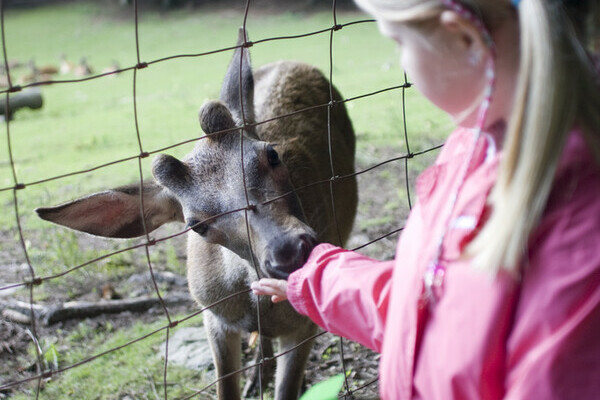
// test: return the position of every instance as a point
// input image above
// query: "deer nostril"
(307, 243)
(289, 255)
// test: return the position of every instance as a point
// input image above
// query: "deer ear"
(116, 213)
(215, 117)
(170, 173)
(237, 91)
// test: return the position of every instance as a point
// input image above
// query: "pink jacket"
(486, 338)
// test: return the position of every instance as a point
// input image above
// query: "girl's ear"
(465, 36)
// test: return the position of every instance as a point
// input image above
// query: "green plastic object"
(326, 390)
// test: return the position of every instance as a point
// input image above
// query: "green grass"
(84, 125)
(135, 370)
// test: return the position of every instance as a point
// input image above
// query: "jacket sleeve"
(344, 292)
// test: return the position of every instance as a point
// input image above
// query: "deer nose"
(285, 255)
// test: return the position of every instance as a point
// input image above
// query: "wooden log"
(52, 314)
(30, 98)
(16, 316)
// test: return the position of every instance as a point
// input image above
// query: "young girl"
(495, 288)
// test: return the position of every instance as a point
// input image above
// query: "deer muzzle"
(287, 254)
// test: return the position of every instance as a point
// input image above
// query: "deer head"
(233, 189)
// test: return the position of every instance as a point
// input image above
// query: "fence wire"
(18, 188)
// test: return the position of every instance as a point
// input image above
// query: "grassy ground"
(84, 125)
(134, 372)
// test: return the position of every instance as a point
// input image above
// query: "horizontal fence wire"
(19, 187)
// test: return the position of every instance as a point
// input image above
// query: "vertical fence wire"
(335, 27)
(149, 242)
(143, 154)
(19, 186)
(409, 154)
(244, 46)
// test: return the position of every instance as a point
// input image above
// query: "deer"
(255, 194)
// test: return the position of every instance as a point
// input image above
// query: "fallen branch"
(16, 316)
(52, 314)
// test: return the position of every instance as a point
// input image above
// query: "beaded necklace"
(434, 275)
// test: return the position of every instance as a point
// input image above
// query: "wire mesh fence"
(19, 188)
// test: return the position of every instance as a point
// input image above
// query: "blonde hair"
(557, 87)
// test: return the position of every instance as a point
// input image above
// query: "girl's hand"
(276, 288)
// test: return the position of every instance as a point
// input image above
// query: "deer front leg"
(226, 349)
(252, 387)
(291, 366)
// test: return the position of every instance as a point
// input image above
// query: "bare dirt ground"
(383, 208)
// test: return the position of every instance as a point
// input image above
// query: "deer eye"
(272, 156)
(197, 227)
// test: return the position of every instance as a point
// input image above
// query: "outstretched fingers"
(276, 288)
